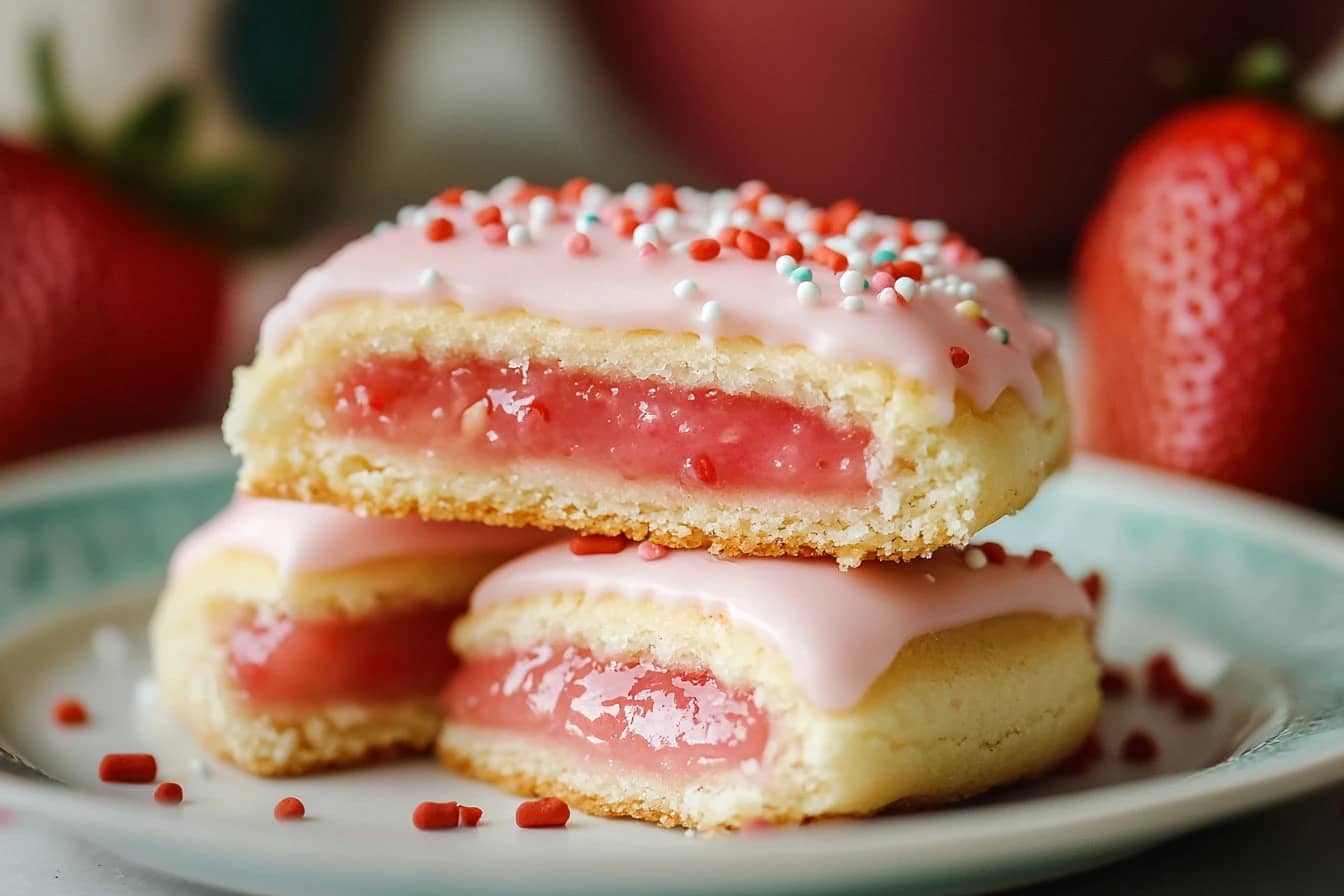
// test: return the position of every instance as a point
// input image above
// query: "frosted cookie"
(730, 370)
(705, 693)
(292, 637)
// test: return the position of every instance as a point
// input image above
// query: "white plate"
(1247, 594)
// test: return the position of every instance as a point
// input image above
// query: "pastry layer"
(957, 712)
(288, 643)
(911, 683)
(935, 481)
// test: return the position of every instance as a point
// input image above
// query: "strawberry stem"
(56, 122)
(1266, 71)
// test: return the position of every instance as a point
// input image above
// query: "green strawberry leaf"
(56, 121)
(154, 138)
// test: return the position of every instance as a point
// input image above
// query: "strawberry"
(110, 320)
(1211, 281)
(110, 314)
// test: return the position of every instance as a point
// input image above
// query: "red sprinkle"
(1164, 679)
(703, 469)
(435, 816)
(1114, 682)
(704, 249)
(439, 229)
(832, 259)
(663, 196)
(994, 552)
(452, 196)
(1083, 757)
(790, 246)
(470, 816)
(728, 236)
(168, 794)
(288, 809)
(626, 222)
(841, 213)
(1094, 586)
(752, 245)
(573, 189)
(650, 551)
(548, 812)
(69, 711)
(960, 357)
(579, 244)
(128, 768)
(1194, 705)
(487, 215)
(495, 234)
(583, 545)
(1040, 557)
(912, 269)
(1139, 747)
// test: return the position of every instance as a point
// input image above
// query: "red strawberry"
(109, 320)
(1212, 288)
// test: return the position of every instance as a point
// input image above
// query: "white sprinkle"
(382, 227)
(690, 197)
(967, 290)
(407, 213)
(799, 217)
(198, 767)
(932, 270)
(723, 198)
(925, 290)
(146, 693)
(685, 289)
(842, 244)
(998, 333)
(594, 196)
(860, 228)
(771, 206)
(889, 245)
(975, 558)
(906, 287)
(859, 261)
(740, 217)
(507, 188)
(585, 224)
(474, 199)
(808, 239)
(637, 195)
(508, 217)
(666, 220)
(929, 230)
(968, 308)
(645, 233)
(852, 303)
(519, 235)
(852, 283)
(718, 219)
(437, 413)
(785, 264)
(887, 296)
(541, 209)
(809, 293)
(420, 218)
(710, 312)
(681, 246)
(430, 277)
(110, 645)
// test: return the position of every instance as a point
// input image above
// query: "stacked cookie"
(776, 426)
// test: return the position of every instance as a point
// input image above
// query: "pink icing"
(303, 537)
(837, 630)
(637, 714)
(615, 286)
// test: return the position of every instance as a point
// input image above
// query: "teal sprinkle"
(882, 256)
(1000, 334)
(382, 226)
(866, 284)
(590, 218)
(801, 274)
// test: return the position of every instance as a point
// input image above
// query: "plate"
(1247, 594)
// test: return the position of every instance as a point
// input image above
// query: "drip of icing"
(837, 630)
(303, 537)
(615, 286)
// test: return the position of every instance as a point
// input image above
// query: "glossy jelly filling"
(389, 656)
(632, 714)
(639, 429)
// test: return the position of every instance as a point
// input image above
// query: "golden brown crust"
(937, 483)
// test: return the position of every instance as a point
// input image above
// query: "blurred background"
(168, 167)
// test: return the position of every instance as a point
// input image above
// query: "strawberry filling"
(636, 715)
(390, 656)
(487, 412)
